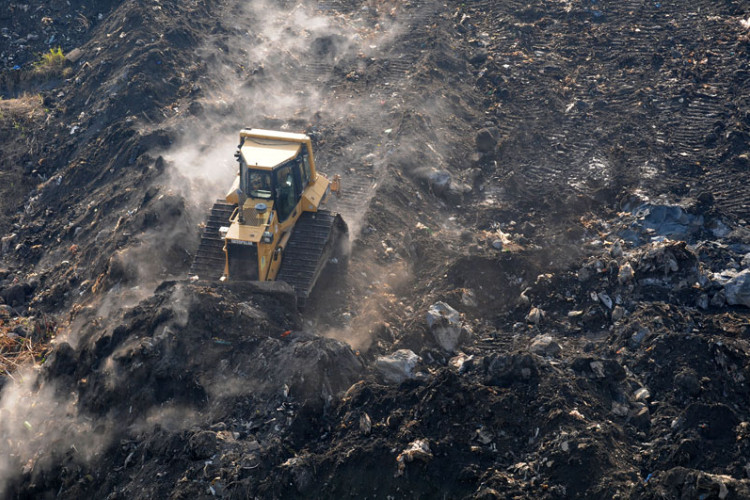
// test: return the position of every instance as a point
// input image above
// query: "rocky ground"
(548, 290)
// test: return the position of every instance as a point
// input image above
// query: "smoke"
(274, 72)
(171, 418)
(42, 426)
(41, 429)
(379, 290)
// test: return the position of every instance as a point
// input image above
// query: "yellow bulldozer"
(271, 226)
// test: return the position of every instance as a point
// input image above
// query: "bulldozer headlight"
(267, 237)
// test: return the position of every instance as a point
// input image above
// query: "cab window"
(306, 171)
(300, 171)
(285, 191)
(259, 184)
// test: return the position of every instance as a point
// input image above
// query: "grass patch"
(16, 350)
(22, 111)
(52, 59)
(51, 63)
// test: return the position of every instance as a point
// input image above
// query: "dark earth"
(548, 292)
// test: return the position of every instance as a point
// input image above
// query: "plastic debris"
(397, 367)
(365, 424)
(445, 325)
(535, 316)
(419, 449)
(642, 394)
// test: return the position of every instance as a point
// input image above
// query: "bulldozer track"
(354, 190)
(680, 118)
(208, 263)
(316, 73)
(307, 252)
(731, 193)
(312, 242)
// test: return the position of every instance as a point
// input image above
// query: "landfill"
(548, 290)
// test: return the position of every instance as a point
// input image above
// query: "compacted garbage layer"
(561, 188)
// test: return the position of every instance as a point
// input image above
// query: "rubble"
(570, 176)
(445, 325)
(544, 345)
(419, 449)
(737, 289)
(397, 367)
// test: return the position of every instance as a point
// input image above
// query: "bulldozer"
(271, 225)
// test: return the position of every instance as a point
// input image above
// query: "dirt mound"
(135, 374)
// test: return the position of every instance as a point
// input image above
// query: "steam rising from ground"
(40, 429)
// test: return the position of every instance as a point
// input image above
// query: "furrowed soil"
(548, 289)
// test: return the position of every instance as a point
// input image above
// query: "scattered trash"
(618, 313)
(616, 250)
(419, 449)
(535, 316)
(544, 345)
(484, 435)
(577, 414)
(604, 298)
(397, 367)
(469, 299)
(365, 424)
(459, 362)
(263, 384)
(642, 394)
(445, 325)
(625, 274)
(620, 409)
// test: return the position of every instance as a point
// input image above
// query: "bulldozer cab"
(274, 170)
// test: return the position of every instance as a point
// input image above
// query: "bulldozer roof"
(266, 149)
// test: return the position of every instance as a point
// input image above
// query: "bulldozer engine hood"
(267, 154)
(254, 224)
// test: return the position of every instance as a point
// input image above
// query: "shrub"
(51, 61)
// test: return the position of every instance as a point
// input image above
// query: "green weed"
(54, 59)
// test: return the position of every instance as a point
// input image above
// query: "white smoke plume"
(39, 428)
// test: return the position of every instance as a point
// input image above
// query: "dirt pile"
(135, 374)
(547, 295)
